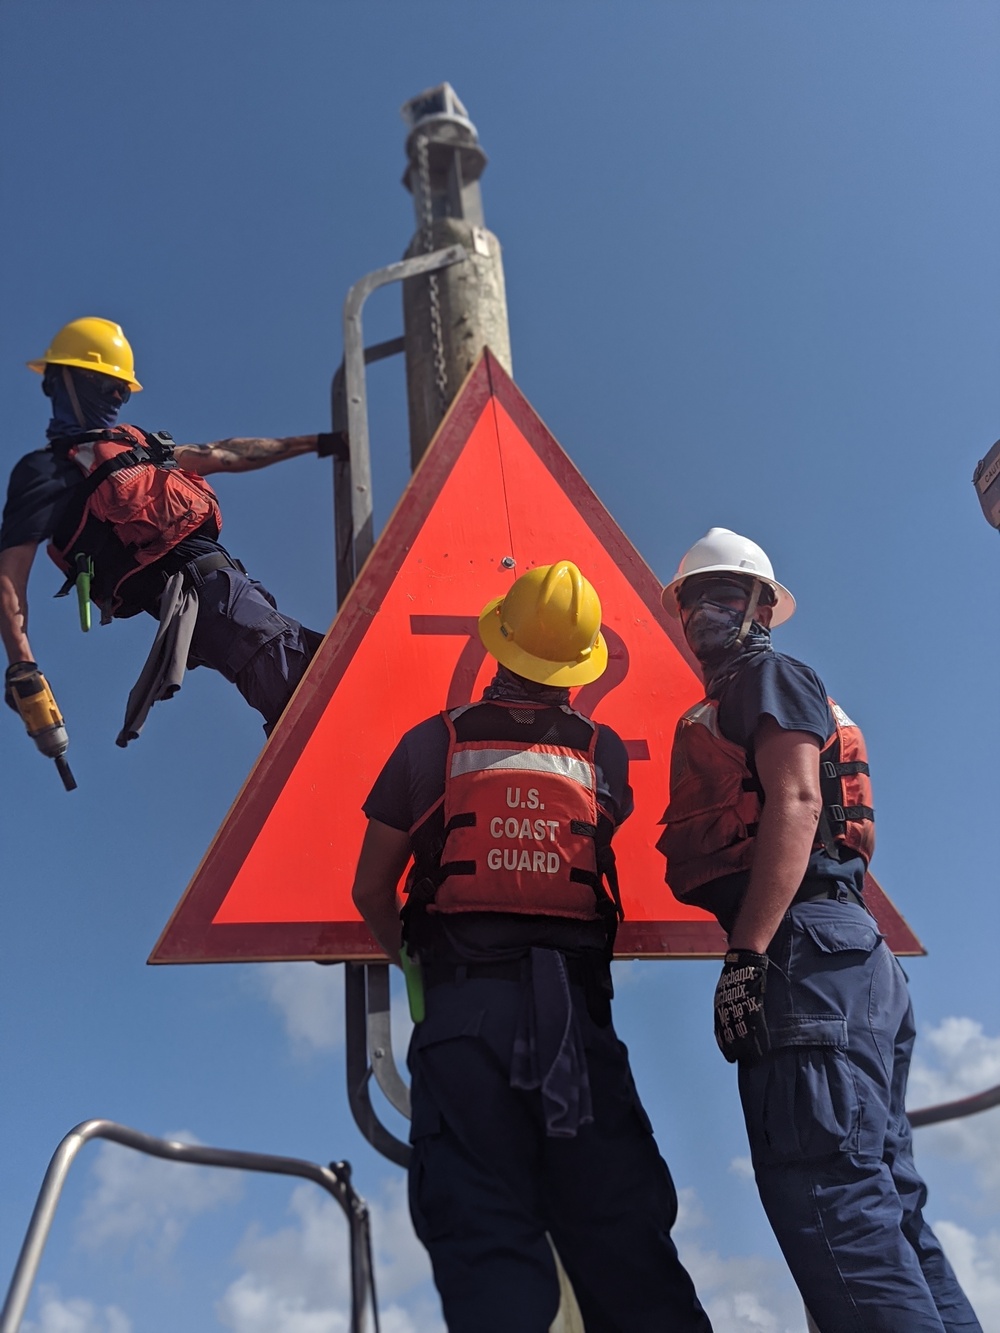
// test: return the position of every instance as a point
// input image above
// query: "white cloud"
(976, 1261)
(310, 1000)
(297, 1279)
(742, 1167)
(627, 973)
(149, 1201)
(742, 1294)
(956, 1059)
(76, 1315)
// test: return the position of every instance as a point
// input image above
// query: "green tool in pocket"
(84, 567)
(414, 985)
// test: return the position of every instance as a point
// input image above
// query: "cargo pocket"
(802, 1103)
(435, 1064)
(252, 620)
(437, 1072)
(843, 936)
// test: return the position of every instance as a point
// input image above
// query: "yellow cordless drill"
(28, 693)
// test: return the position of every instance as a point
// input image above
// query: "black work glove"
(16, 671)
(329, 443)
(740, 1027)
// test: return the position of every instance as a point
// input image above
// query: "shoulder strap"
(139, 453)
(73, 513)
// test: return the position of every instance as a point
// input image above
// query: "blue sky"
(753, 280)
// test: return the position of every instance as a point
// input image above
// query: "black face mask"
(82, 399)
(508, 685)
(711, 630)
(714, 614)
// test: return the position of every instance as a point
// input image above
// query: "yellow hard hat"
(548, 627)
(91, 344)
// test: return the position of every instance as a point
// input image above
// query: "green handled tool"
(84, 574)
(414, 985)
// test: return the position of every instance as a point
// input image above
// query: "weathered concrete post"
(450, 316)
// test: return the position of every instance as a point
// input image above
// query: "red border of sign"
(190, 935)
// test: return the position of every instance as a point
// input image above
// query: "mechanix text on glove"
(740, 1026)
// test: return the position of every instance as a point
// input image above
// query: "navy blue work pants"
(829, 1137)
(241, 634)
(486, 1183)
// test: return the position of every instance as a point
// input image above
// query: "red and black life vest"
(134, 505)
(716, 799)
(518, 828)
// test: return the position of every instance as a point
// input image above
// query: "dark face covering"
(82, 400)
(713, 612)
(508, 686)
(711, 630)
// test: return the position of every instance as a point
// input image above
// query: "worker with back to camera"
(525, 1117)
(770, 827)
(129, 518)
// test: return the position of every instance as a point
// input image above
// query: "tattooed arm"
(242, 455)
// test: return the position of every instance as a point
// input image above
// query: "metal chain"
(427, 240)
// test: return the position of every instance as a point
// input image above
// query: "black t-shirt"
(412, 781)
(40, 487)
(774, 685)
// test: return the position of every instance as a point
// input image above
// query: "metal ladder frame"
(367, 1013)
(335, 1179)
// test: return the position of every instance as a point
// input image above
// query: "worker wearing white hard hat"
(770, 826)
(723, 552)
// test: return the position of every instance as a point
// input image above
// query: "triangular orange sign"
(493, 496)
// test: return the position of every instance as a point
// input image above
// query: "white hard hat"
(723, 552)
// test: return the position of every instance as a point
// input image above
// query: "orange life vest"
(519, 820)
(716, 799)
(134, 505)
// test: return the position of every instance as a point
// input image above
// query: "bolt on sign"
(493, 496)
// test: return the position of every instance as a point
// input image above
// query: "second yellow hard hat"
(548, 627)
(91, 344)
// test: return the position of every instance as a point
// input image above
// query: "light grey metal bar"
(335, 1179)
(933, 1115)
(359, 1070)
(387, 1076)
(363, 536)
(369, 1032)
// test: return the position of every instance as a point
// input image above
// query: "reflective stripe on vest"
(715, 800)
(520, 826)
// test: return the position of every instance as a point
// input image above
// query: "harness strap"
(464, 819)
(825, 831)
(196, 570)
(450, 868)
(131, 458)
(832, 770)
(843, 814)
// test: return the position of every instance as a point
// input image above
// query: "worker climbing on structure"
(133, 525)
(770, 827)
(525, 1117)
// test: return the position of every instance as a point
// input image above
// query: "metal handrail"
(335, 1179)
(962, 1106)
(369, 1051)
(354, 474)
